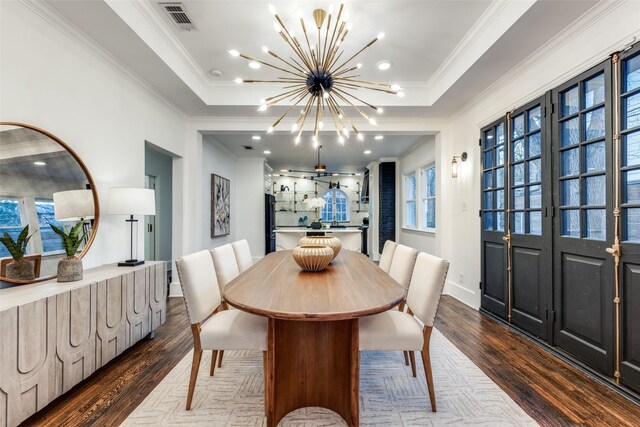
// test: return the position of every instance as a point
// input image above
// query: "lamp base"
(131, 263)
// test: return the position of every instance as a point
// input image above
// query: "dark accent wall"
(387, 196)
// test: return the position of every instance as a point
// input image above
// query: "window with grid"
(10, 221)
(630, 126)
(493, 178)
(410, 196)
(336, 207)
(526, 164)
(429, 197)
(582, 160)
(51, 242)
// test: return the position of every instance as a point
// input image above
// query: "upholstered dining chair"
(243, 255)
(224, 261)
(387, 255)
(213, 328)
(396, 330)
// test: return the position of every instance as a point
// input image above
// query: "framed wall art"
(220, 206)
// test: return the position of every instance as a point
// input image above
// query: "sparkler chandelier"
(317, 78)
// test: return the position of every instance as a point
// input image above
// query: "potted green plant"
(19, 268)
(70, 267)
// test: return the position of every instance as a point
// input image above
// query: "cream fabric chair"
(397, 330)
(402, 264)
(243, 255)
(214, 329)
(387, 255)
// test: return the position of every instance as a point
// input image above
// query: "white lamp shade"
(73, 204)
(131, 201)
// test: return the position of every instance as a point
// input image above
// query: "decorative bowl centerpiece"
(331, 241)
(313, 257)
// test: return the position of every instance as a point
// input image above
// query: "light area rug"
(389, 394)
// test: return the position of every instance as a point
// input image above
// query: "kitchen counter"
(287, 238)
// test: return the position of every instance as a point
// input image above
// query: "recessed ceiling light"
(267, 152)
(255, 65)
(238, 80)
(39, 163)
(367, 151)
(384, 65)
(256, 137)
(379, 137)
(215, 72)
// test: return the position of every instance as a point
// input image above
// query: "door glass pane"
(518, 126)
(534, 145)
(632, 73)
(534, 170)
(570, 102)
(631, 147)
(518, 150)
(632, 186)
(500, 221)
(500, 155)
(571, 223)
(488, 220)
(518, 174)
(570, 162)
(535, 196)
(430, 213)
(500, 134)
(488, 138)
(518, 222)
(500, 199)
(535, 223)
(488, 159)
(569, 132)
(595, 190)
(594, 124)
(571, 192)
(632, 224)
(632, 111)
(518, 198)
(596, 227)
(488, 180)
(594, 91)
(500, 177)
(534, 119)
(594, 157)
(488, 200)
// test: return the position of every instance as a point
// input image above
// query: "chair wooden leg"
(214, 357)
(195, 365)
(220, 358)
(406, 357)
(412, 356)
(426, 361)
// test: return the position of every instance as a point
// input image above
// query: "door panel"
(531, 225)
(582, 194)
(494, 249)
(629, 122)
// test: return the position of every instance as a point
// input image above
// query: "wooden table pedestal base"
(312, 363)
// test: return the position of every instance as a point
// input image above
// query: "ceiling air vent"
(248, 147)
(178, 14)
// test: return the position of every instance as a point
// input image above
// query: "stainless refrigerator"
(269, 223)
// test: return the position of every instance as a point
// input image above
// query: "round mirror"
(42, 183)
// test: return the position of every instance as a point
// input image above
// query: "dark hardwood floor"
(551, 391)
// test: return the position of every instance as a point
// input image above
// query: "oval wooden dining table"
(312, 354)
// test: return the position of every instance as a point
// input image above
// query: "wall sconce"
(454, 164)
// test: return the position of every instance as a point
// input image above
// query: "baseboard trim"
(623, 391)
(462, 294)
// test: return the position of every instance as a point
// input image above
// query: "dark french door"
(583, 222)
(629, 125)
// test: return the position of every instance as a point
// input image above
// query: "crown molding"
(60, 23)
(555, 44)
(492, 24)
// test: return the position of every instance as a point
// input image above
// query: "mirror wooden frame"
(94, 192)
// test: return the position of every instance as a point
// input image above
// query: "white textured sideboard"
(54, 335)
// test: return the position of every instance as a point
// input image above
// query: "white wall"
(587, 42)
(423, 154)
(59, 81)
(160, 166)
(249, 217)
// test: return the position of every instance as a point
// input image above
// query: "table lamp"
(131, 201)
(73, 205)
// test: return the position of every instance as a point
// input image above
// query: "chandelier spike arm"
(296, 62)
(356, 86)
(362, 113)
(345, 115)
(249, 58)
(303, 116)
(338, 43)
(296, 49)
(326, 36)
(275, 55)
(357, 99)
(306, 37)
(277, 122)
(347, 70)
(275, 81)
(282, 97)
(309, 57)
(315, 131)
(356, 54)
(334, 60)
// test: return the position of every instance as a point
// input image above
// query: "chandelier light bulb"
(379, 137)
(341, 140)
(320, 124)
(380, 36)
(373, 121)
(263, 107)
(272, 9)
(297, 140)
(330, 9)
(349, 26)
(270, 130)
(395, 87)
(345, 132)
(233, 52)
(265, 49)
(325, 95)
(360, 137)
(292, 34)
(300, 13)
(276, 27)
(263, 101)
(340, 116)
(254, 65)
(401, 94)
(238, 80)
(294, 127)
(359, 65)
(380, 110)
